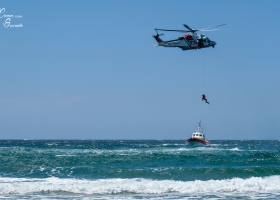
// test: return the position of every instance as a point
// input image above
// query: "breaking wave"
(254, 186)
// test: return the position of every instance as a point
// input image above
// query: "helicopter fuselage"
(187, 42)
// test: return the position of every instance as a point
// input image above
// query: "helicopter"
(189, 41)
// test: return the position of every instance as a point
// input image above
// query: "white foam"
(235, 149)
(130, 152)
(170, 144)
(25, 186)
(66, 155)
(214, 145)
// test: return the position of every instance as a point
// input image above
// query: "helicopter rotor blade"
(212, 27)
(191, 30)
(183, 31)
(210, 30)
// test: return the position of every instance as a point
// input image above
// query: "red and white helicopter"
(189, 41)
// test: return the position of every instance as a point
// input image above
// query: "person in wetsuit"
(204, 99)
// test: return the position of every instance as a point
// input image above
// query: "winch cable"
(203, 72)
(203, 88)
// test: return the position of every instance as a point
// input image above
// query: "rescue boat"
(198, 135)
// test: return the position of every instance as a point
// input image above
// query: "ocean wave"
(25, 186)
(122, 152)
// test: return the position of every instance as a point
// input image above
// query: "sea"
(139, 169)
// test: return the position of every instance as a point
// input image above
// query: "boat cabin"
(198, 135)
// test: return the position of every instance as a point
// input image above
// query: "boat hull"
(197, 140)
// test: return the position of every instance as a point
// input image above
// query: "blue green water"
(139, 169)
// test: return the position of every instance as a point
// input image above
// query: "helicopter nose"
(213, 44)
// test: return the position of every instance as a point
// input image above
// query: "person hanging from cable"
(204, 99)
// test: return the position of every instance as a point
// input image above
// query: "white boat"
(198, 135)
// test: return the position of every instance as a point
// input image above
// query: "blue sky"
(90, 70)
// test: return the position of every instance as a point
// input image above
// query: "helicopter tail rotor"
(159, 34)
(157, 38)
